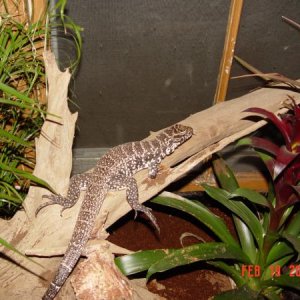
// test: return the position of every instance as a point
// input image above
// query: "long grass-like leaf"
(243, 292)
(250, 195)
(239, 209)
(284, 280)
(27, 175)
(140, 261)
(197, 252)
(8, 136)
(202, 213)
(229, 270)
(13, 92)
(228, 182)
(12, 248)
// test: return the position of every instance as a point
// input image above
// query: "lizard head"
(175, 136)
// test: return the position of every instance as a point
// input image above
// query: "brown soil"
(195, 281)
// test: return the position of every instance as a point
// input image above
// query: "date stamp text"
(276, 271)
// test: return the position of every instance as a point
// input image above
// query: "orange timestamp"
(255, 270)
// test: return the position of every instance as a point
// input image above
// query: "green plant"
(22, 99)
(263, 261)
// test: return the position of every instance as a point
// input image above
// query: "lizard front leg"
(120, 182)
(152, 169)
(77, 184)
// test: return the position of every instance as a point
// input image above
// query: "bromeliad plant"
(263, 261)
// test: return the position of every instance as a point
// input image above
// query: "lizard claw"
(148, 213)
(42, 206)
(62, 210)
(54, 199)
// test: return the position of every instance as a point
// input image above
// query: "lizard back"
(113, 171)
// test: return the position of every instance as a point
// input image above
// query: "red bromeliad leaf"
(282, 156)
(283, 159)
(283, 128)
(292, 121)
(297, 189)
(260, 143)
(289, 121)
(286, 187)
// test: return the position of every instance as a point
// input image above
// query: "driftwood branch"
(48, 234)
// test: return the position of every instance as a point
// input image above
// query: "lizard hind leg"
(132, 195)
(77, 184)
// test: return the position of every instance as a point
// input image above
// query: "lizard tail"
(83, 227)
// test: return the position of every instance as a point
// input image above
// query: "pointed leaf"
(278, 251)
(260, 143)
(246, 238)
(239, 209)
(294, 240)
(275, 120)
(11, 199)
(293, 227)
(27, 175)
(140, 261)
(200, 212)
(11, 137)
(284, 280)
(12, 248)
(244, 292)
(230, 270)
(13, 92)
(283, 159)
(197, 252)
(250, 195)
(22, 105)
(280, 263)
(225, 175)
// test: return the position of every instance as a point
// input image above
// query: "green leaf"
(239, 209)
(22, 105)
(140, 261)
(285, 215)
(230, 270)
(284, 280)
(8, 136)
(225, 175)
(13, 92)
(244, 292)
(12, 199)
(269, 270)
(246, 239)
(200, 212)
(294, 240)
(12, 248)
(279, 250)
(27, 175)
(229, 183)
(250, 195)
(283, 248)
(294, 226)
(197, 252)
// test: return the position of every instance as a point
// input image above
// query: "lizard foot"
(148, 213)
(54, 199)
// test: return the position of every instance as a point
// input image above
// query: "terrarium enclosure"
(146, 65)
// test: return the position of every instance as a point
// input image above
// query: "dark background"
(148, 64)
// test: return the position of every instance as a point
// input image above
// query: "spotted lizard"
(114, 171)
